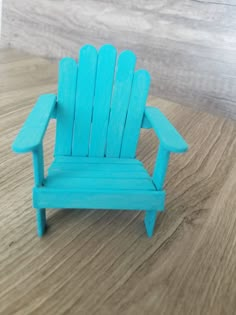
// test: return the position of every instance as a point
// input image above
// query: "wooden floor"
(101, 262)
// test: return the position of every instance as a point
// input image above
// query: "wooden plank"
(102, 100)
(134, 119)
(92, 160)
(59, 181)
(120, 102)
(97, 167)
(149, 221)
(32, 132)
(169, 137)
(41, 221)
(135, 200)
(38, 166)
(100, 173)
(145, 123)
(65, 106)
(84, 100)
(161, 166)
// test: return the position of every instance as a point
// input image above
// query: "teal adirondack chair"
(100, 109)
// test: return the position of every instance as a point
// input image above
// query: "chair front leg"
(149, 221)
(158, 177)
(38, 165)
(41, 221)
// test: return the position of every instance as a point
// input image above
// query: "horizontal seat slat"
(94, 160)
(100, 173)
(96, 167)
(60, 181)
(128, 200)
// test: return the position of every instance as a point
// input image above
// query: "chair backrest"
(100, 104)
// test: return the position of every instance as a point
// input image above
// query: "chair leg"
(41, 221)
(149, 221)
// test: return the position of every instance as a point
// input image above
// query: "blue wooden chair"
(100, 109)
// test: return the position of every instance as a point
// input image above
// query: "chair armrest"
(34, 128)
(169, 137)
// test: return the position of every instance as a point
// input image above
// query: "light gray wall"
(189, 46)
(0, 17)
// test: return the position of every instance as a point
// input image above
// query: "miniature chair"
(100, 109)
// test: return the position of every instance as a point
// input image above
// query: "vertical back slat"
(65, 106)
(84, 100)
(120, 101)
(102, 99)
(134, 118)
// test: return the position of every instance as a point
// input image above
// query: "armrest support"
(161, 166)
(170, 141)
(169, 137)
(38, 165)
(31, 134)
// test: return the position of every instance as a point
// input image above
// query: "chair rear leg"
(149, 221)
(41, 221)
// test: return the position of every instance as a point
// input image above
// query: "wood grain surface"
(187, 45)
(101, 262)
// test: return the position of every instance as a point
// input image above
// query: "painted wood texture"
(138, 98)
(66, 97)
(161, 166)
(120, 102)
(169, 137)
(93, 177)
(103, 199)
(103, 185)
(149, 220)
(84, 100)
(101, 262)
(187, 46)
(41, 221)
(38, 165)
(108, 104)
(102, 100)
(34, 128)
(109, 113)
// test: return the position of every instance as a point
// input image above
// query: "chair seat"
(98, 183)
(98, 174)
